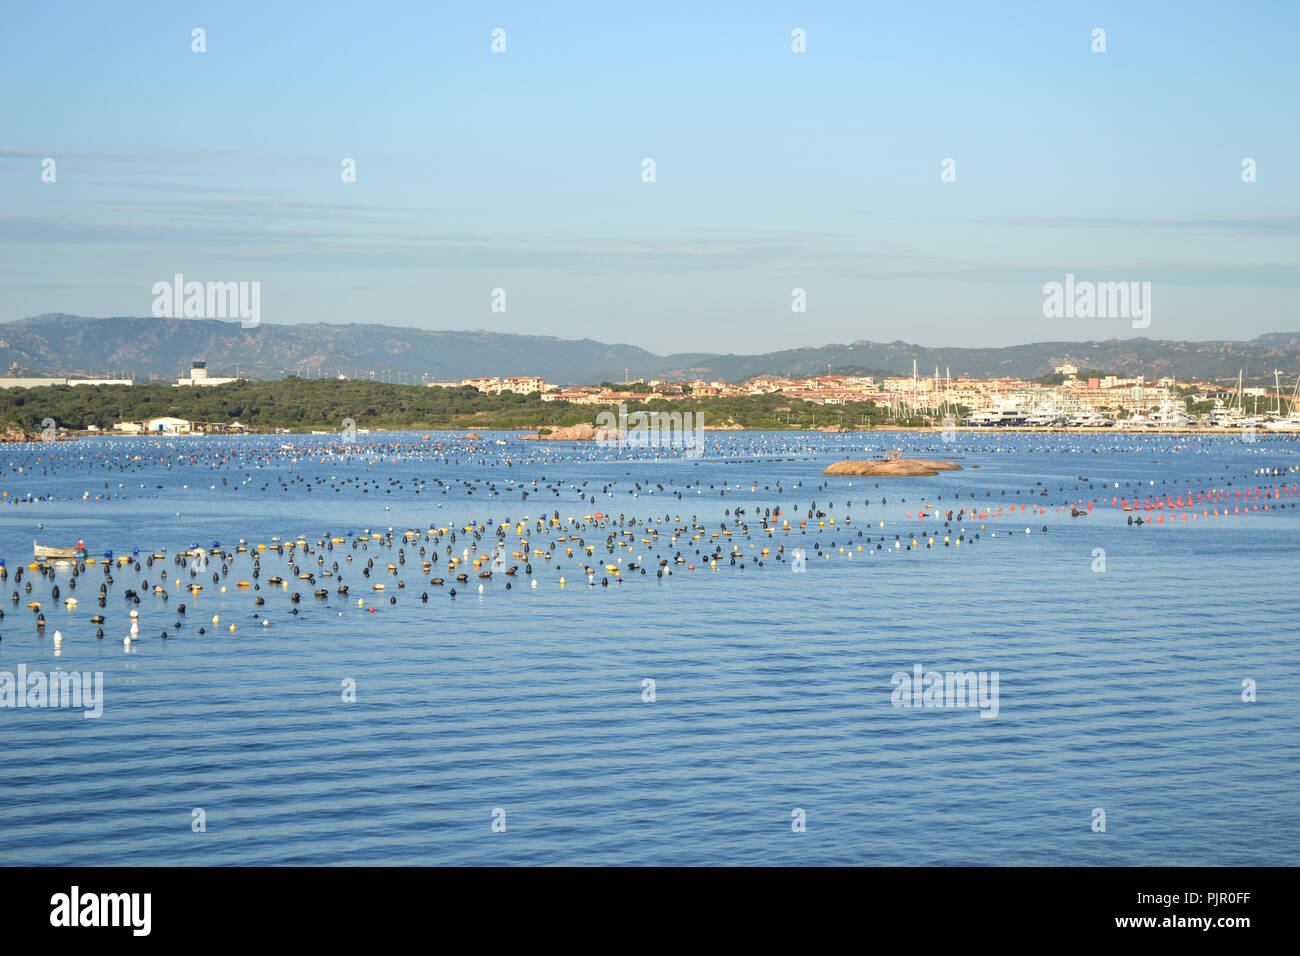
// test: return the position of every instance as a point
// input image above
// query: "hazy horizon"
(775, 170)
(651, 348)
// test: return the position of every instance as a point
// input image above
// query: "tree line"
(298, 403)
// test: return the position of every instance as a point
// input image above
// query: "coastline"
(531, 433)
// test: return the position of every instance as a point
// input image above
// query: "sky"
(774, 170)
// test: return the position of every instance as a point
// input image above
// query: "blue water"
(1119, 689)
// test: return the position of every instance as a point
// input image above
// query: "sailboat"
(1231, 415)
(1291, 423)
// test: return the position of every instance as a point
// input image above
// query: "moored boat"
(45, 551)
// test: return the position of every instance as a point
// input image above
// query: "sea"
(1133, 686)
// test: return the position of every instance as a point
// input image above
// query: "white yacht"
(1001, 415)
(1135, 422)
(1169, 415)
(1225, 416)
(1045, 417)
(1291, 423)
(1088, 420)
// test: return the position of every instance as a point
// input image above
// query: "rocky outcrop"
(892, 467)
(582, 432)
(15, 432)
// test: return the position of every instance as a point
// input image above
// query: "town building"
(168, 425)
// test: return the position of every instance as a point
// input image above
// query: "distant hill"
(58, 345)
(48, 345)
(1129, 357)
(1277, 339)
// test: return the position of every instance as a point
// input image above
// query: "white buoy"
(58, 638)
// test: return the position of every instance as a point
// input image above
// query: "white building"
(31, 382)
(199, 376)
(168, 425)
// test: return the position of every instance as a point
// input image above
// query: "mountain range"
(57, 345)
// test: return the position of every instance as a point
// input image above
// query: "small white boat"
(44, 551)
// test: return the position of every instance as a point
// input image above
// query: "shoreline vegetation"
(294, 405)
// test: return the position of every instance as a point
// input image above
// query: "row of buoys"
(571, 545)
(620, 533)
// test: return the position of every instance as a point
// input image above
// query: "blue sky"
(774, 170)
